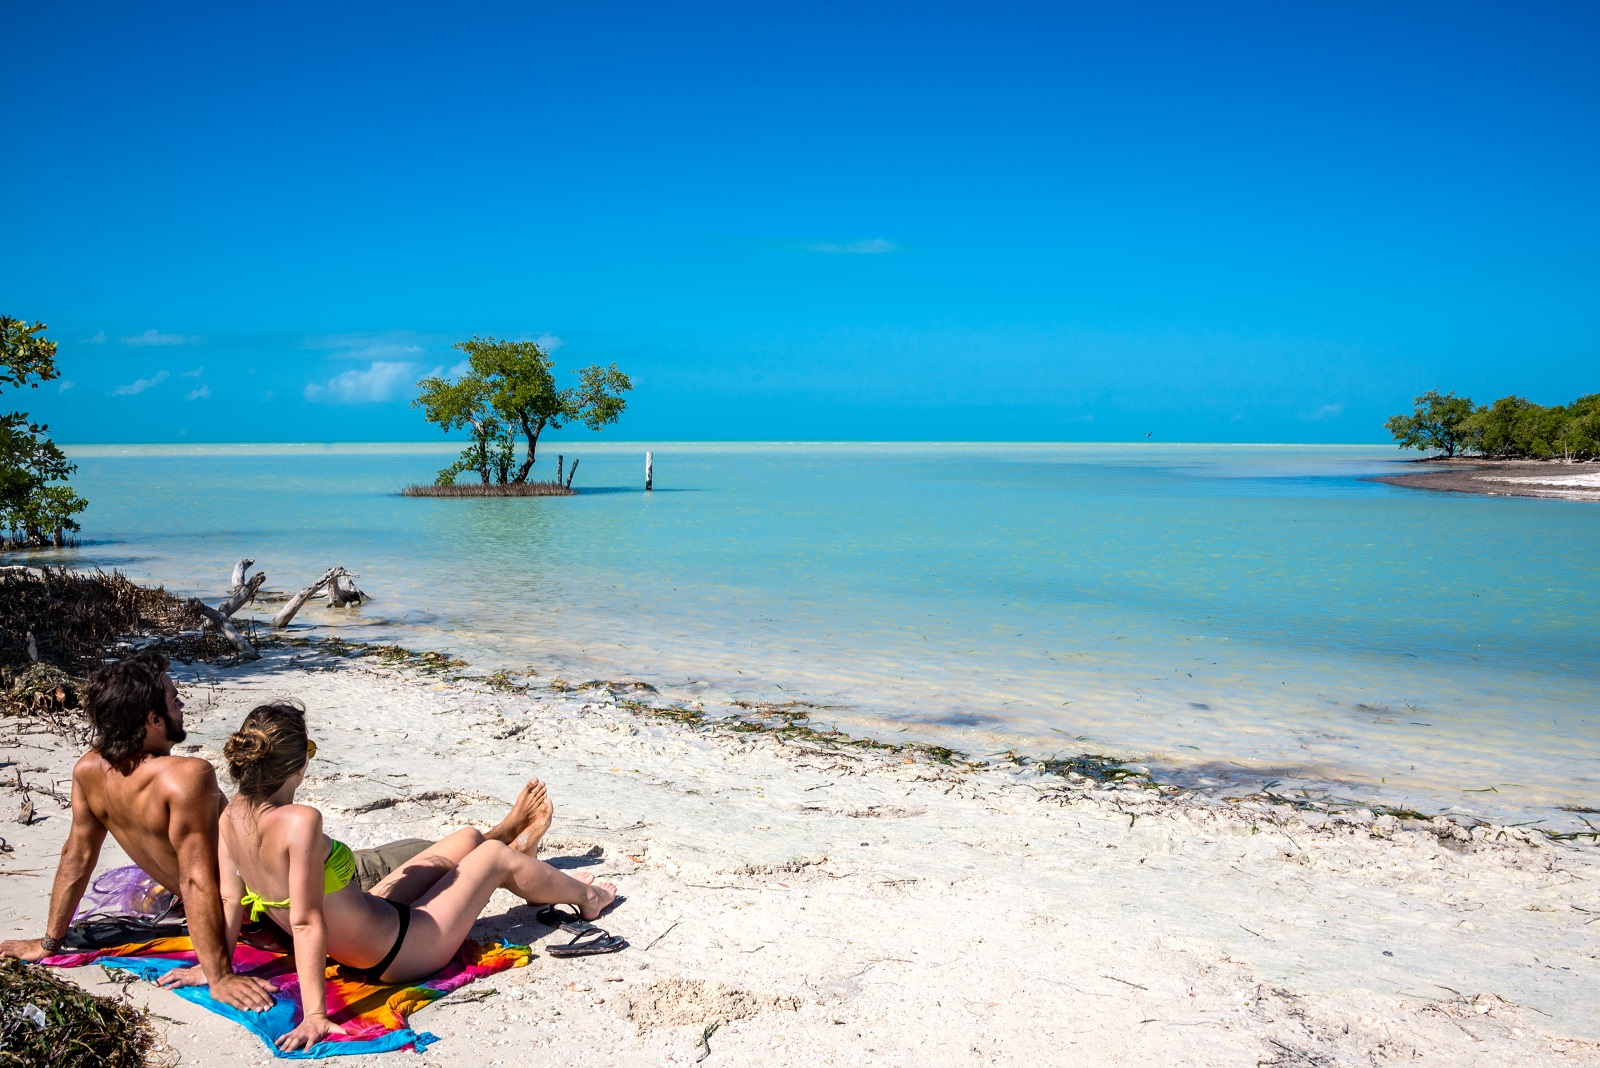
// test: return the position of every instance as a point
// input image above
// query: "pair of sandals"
(587, 939)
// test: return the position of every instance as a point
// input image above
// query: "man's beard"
(175, 731)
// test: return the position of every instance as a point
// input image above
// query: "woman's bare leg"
(407, 883)
(442, 916)
(523, 828)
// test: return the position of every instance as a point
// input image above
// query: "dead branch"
(298, 601)
(229, 631)
(242, 595)
(240, 570)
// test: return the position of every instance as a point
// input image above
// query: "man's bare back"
(137, 807)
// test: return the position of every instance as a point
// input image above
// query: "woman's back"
(276, 847)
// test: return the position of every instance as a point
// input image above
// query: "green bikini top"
(337, 871)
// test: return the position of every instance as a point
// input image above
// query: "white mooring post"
(649, 472)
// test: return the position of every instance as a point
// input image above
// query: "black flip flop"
(588, 940)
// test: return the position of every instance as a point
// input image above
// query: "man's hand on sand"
(29, 949)
(241, 991)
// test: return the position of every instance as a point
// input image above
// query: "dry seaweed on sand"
(787, 722)
(45, 1021)
(1089, 766)
(611, 686)
(398, 655)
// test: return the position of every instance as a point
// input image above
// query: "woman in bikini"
(276, 861)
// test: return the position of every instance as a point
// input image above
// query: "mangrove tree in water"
(507, 392)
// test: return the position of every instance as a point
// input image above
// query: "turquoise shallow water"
(1230, 614)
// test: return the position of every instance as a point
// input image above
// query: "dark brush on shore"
(489, 489)
(56, 626)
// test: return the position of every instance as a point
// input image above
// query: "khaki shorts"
(373, 865)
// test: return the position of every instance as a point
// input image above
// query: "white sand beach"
(856, 907)
(1587, 481)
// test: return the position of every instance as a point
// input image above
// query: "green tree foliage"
(1510, 428)
(509, 390)
(1435, 424)
(33, 509)
(464, 404)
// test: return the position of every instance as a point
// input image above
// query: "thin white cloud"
(134, 388)
(155, 337)
(383, 380)
(548, 342)
(64, 385)
(98, 339)
(196, 373)
(1327, 411)
(199, 394)
(875, 247)
(387, 350)
(394, 345)
(459, 369)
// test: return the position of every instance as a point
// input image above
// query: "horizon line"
(446, 442)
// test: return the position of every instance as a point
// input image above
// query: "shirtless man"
(163, 812)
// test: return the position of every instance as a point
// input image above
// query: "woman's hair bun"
(247, 745)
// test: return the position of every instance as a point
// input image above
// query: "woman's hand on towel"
(312, 1029)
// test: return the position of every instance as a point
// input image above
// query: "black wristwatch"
(51, 946)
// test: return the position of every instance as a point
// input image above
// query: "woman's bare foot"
(533, 832)
(601, 895)
(530, 812)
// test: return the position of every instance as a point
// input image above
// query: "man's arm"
(192, 814)
(233, 890)
(79, 853)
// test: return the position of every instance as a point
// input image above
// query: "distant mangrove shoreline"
(1512, 428)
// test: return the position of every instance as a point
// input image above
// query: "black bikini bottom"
(374, 974)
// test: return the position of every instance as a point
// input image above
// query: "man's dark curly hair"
(118, 700)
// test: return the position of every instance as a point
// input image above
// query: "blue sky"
(823, 220)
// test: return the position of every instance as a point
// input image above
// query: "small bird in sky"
(1147, 433)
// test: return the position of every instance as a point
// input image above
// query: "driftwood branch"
(229, 631)
(298, 601)
(242, 595)
(240, 570)
(343, 590)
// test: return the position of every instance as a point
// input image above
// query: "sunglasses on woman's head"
(311, 749)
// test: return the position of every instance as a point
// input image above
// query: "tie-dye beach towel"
(374, 1014)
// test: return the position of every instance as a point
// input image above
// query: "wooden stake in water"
(561, 462)
(572, 474)
(649, 471)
